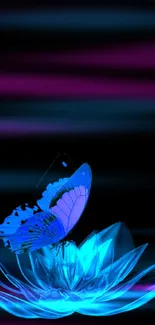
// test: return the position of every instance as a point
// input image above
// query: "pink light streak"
(73, 87)
(139, 56)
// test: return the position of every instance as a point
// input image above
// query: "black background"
(126, 158)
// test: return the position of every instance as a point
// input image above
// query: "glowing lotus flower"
(58, 281)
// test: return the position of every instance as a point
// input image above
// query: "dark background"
(122, 162)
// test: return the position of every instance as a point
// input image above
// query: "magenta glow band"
(139, 56)
(73, 87)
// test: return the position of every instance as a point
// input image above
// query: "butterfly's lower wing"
(16, 219)
(40, 230)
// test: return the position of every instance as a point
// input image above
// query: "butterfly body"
(56, 213)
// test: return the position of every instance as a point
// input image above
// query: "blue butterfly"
(55, 214)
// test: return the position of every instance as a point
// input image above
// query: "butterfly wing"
(62, 205)
(14, 231)
(50, 192)
(70, 198)
(40, 230)
(16, 219)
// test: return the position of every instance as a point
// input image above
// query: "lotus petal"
(62, 279)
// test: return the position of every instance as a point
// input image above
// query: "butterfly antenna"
(58, 155)
(48, 169)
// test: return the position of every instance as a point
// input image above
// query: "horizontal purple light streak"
(73, 87)
(130, 56)
(28, 127)
(143, 287)
(137, 287)
(15, 128)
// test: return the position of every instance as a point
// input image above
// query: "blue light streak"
(78, 20)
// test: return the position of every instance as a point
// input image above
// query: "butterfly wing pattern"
(73, 197)
(55, 214)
